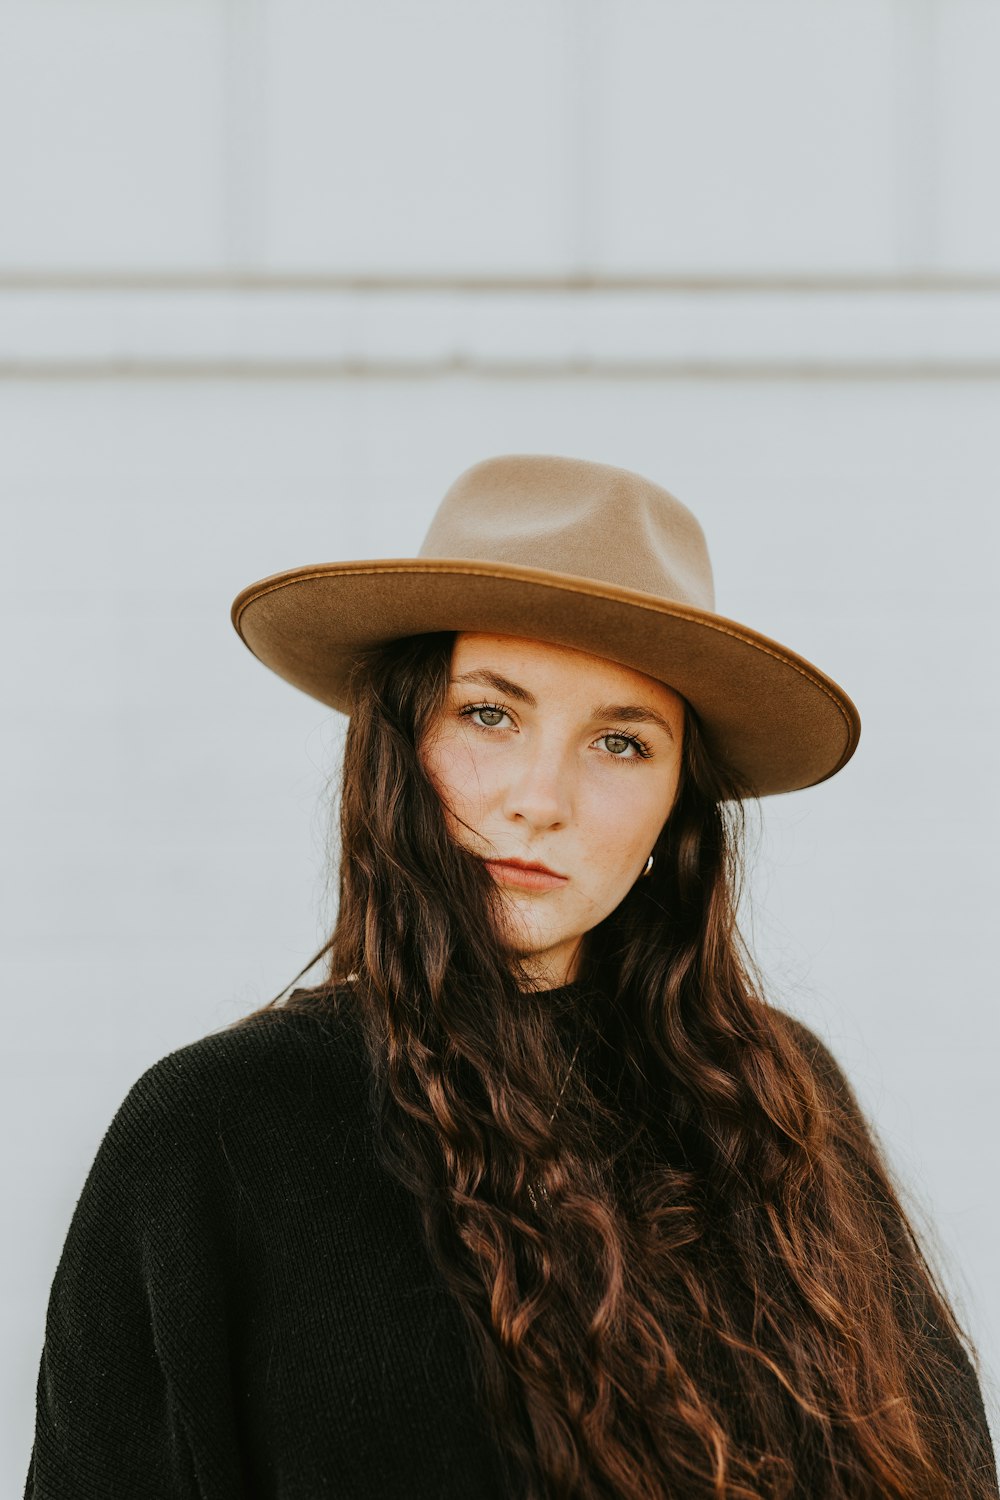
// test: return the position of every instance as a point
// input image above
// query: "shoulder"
(184, 1105)
(249, 1047)
(794, 1026)
(848, 1124)
(818, 1054)
(212, 1125)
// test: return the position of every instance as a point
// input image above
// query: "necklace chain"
(564, 1083)
(540, 1186)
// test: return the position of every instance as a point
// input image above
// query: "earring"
(649, 866)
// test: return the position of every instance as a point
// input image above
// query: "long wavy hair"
(722, 1295)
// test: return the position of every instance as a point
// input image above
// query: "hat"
(581, 554)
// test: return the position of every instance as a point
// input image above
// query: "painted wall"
(272, 276)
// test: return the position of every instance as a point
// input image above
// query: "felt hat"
(581, 554)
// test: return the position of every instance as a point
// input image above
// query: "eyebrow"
(637, 712)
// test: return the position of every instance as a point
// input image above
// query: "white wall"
(271, 276)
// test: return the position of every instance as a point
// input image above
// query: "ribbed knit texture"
(244, 1309)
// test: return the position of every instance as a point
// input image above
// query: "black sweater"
(244, 1308)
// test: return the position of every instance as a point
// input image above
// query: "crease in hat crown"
(575, 516)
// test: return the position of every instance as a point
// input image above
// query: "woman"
(535, 1194)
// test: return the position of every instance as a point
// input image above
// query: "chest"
(353, 1371)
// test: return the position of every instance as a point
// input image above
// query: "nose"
(540, 788)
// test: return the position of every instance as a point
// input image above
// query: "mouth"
(532, 877)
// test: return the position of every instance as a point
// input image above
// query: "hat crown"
(575, 516)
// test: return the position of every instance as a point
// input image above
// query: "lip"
(531, 877)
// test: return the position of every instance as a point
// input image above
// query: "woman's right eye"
(493, 711)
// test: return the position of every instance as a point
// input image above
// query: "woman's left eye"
(498, 711)
(641, 752)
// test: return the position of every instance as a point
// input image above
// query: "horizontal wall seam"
(252, 281)
(306, 370)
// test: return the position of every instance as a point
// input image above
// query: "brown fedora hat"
(582, 554)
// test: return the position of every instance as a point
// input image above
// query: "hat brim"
(775, 717)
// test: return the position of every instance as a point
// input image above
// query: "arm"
(113, 1421)
(966, 1392)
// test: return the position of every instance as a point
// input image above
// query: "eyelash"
(644, 752)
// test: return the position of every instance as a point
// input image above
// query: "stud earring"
(649, 866)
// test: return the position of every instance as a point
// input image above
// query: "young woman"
(535, 1194)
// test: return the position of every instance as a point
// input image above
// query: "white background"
(272, 275)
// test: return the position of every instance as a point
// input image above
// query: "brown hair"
(724, 1296)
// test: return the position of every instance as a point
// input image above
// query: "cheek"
(624, 818)
(455, 772)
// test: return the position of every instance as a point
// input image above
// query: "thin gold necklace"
(540, 1185)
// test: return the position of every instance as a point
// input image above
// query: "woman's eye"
(641, 751)
(494, 713)
(489, 716)
(492, 716)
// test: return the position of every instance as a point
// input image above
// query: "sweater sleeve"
(134, 1280)
(966, 1392)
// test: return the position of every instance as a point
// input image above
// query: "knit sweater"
(244, 1308)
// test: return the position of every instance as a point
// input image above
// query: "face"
(548, 755)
